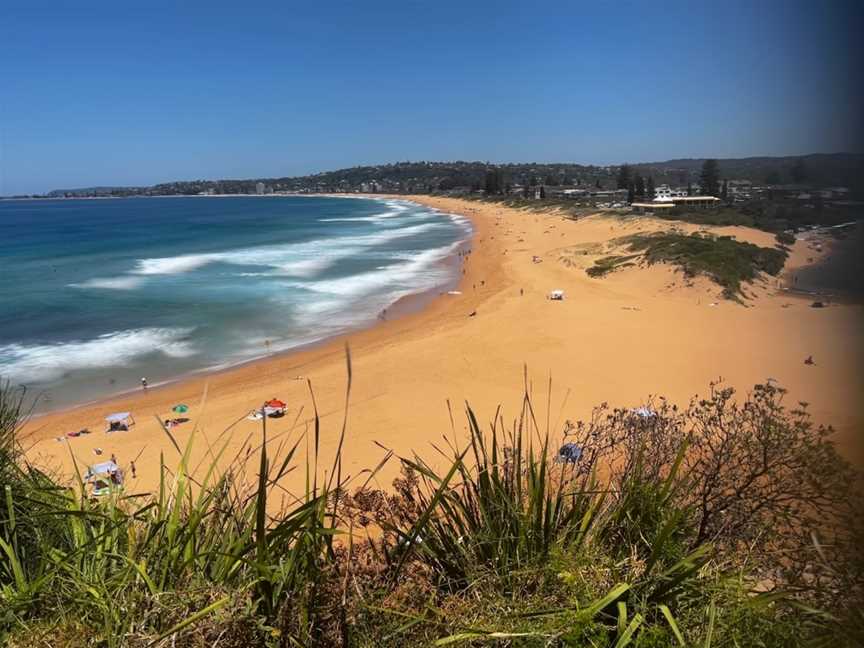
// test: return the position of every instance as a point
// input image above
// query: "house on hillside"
(665, 193)
(567, 192)
(687, 202)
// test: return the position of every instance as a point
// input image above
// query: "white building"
(665, 193)
(684, 202)
(259, 188)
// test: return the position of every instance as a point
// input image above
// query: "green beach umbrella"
(181, 409)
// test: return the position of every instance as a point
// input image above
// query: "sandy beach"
(636, 332)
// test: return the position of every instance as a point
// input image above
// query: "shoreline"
(833, 270)
(403, 305)
(617, 339)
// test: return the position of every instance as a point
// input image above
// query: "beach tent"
(103, 477)
(644, 412)
(557, 295)
(119, 421)
(274, 407)
(180, 409)
(569, 453)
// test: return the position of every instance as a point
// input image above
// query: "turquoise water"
(96, 294)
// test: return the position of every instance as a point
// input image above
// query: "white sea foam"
(293, 259)
(396, 210)
(374, 218)
(174, 265)
(37, 363)
(416, 271)
(111, 283)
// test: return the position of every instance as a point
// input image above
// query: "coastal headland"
(619, 339)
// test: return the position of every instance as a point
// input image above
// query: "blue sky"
(134, 93)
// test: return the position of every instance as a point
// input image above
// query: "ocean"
(96, 294)
(840, 275)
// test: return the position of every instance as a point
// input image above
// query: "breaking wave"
(38, 363)
(294, 259)
(414, 271)
(111, 283)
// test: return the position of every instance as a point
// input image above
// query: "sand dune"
(619, 339)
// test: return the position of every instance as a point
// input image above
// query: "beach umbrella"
(275, 403)
(180, 409)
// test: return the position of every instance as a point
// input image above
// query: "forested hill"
(819, 169)
(832, 169)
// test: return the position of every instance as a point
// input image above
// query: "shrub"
(721, 258)
(658, 535)
(785, 238)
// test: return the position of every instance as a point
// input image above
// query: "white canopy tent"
(102, 477)
(119, 421)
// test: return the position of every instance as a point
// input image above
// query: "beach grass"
(611, 263)
(663, 533)
(724, 260)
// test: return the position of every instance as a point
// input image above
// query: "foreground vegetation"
(726, 523)
(767, 215)
(724, 260)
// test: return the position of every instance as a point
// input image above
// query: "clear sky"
(134, 93)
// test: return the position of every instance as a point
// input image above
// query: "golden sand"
(619, 339)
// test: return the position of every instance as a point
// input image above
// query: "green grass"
(563, 206)
(725, 261)
(720, 217)
(609, 264)
(768, 215)
(502, 546)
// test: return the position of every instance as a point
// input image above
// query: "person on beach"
(144, 384)
(132, 468)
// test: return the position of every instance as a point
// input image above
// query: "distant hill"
(819, 169)
(96, 191)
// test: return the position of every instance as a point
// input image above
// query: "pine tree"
(598, 185)
(640, 186)
(526, 192)
(491, 183)
(818, 202)
(624, 176)
(724, 192)
(689, 188)
(650, 188)
(631, 192)
(542, 192)
(709, 179)
(799, 172)
(772, 178)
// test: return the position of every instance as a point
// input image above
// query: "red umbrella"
(276, 403)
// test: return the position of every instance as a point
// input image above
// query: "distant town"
(780, 191)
